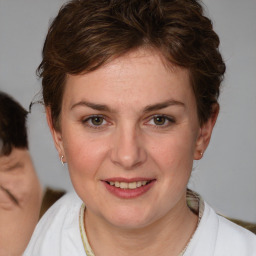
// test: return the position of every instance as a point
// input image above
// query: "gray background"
(226, 177)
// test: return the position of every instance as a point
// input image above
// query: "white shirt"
(58, 234)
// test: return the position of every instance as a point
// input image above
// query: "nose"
(128, 150)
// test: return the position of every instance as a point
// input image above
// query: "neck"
(167, 236)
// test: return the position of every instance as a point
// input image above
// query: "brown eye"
(159, 120)
(97, 120)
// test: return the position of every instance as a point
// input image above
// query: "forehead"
(139, 76)
(15, 159)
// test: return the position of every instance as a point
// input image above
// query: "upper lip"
(127, 180)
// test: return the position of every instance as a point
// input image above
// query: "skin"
(20, 201)
(127, 94)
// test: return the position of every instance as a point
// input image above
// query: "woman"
(20, 191)
(130, 89)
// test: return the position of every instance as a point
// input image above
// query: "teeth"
(138, 184)
(132, 185)
(126, 185)
(123, 185)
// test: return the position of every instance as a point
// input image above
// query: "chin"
(129, 219)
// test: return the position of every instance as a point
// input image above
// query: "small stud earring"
(61, 160)
(201, 153)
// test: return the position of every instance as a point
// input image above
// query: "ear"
(205, 133)
(56, 135)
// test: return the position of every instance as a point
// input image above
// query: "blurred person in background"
(20, 190)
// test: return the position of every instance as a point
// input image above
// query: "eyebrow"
(15, 166)
(100, 107)
(149, 108)
(162, 105)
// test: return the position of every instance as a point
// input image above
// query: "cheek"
(84, 155)
(30, 191)
(174, 154)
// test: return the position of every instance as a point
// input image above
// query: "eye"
(96, 121)
(161, 121)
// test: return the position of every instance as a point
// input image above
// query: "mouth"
(128, 185)
(128, 189)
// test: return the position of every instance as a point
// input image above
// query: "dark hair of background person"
(13, 131)
(88, 34)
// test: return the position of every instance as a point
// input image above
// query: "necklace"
(87, 247)
(193, 200)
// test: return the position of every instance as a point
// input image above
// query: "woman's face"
(129, 133)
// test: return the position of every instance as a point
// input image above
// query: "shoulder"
(217, 236)
(59, 226)
(231, 236)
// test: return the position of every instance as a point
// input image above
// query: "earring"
(201, 153)
(61, 160)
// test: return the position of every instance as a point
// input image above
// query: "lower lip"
(129, 193)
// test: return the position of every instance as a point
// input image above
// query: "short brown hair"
(13, 130)
(88, 33)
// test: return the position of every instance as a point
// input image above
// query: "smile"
(128, 185)
(128, 189)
